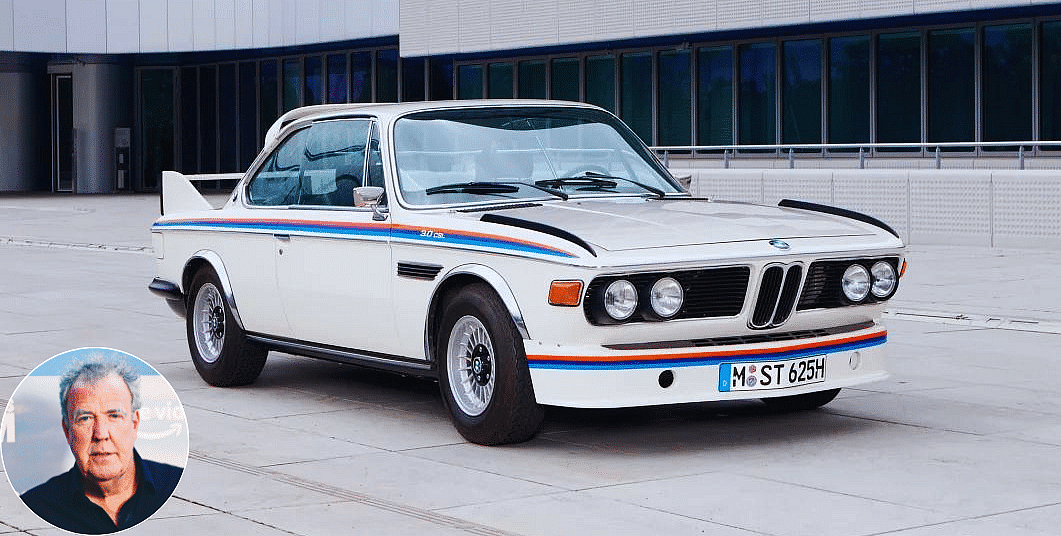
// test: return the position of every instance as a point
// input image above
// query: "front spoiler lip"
(171, 292)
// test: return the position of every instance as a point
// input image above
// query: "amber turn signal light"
(565, 293)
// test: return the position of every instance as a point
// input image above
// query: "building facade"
(102, 95)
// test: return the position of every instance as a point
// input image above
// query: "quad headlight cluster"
(621, 298)
(859, 282)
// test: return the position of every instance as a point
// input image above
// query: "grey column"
(102, 102)
(24, 124)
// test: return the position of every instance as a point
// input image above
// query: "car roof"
(387, 111)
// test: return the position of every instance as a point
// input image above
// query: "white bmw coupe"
(524, 253)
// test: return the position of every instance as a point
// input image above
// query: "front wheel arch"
(452, 282)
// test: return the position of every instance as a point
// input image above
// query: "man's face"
(102, 428)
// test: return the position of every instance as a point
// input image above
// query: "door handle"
(282, 237)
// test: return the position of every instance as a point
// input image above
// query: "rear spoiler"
(178, 194)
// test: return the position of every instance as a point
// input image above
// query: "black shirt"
(61, 500)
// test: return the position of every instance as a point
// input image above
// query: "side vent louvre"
(414, 270)
(778, 290)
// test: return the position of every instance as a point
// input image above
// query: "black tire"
(220, 350)
(492, 402)
(806, 401)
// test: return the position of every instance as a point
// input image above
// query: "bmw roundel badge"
(779, 244)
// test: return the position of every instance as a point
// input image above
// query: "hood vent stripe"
(539, 227)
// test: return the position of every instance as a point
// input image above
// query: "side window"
(277, 182)
(334, 162)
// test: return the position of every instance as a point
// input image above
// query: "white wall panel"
(180, 26)
(260, 23)
(384, 18)
(40, 25)
(332, 21)
(225, 23)
(307, 21)
(7, 25)
(203, 25)
(414, 19)
(277, 12)
(359, 17)
(574, 18)
(87, 26)
(245, 23)
(154, 25)
(442, 24)
(541, 22)
(123, 26)
(474, 25)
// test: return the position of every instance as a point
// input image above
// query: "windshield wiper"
(592, 179)
(582, 183)
(474, 188)
(480, 187)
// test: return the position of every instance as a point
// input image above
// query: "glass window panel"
(267, 90)
(600, 81)
(277, 182)
(675, 98)
(801, 91)
(1050, 83)
(292, 84)
(227, 126)
(849, 89)
(208, 119)
(532, 79)
(387, 75)
(314, 80)
(337, 86)
(758, 93)
(248, 114)
(157, 124)
(715, 96)
(333, 163)
(565, 79)
(412, 79)
(899, 88)
(499, 81)
(440, 72)
(951, 94)
(636, 94)
(361, 77)
(1007, 83)
(189, 120)
(470, 82)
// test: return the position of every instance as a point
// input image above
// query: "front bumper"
(172, 293)
(588, 376)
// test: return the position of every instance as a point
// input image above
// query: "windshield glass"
(499, 154)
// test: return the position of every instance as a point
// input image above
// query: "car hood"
(638, 223)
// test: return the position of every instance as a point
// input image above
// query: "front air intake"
(778, 289)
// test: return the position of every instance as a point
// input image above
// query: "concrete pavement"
(963, 439)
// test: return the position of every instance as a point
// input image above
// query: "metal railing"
(847, 150)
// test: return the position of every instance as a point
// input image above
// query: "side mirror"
(370, 197)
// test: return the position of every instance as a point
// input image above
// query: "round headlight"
(666, 297)
(856, 282)
(620, 299)
(883, 279)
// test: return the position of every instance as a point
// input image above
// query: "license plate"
(770, 374)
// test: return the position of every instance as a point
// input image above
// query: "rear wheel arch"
(210, 260)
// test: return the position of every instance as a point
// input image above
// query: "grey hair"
(93, 369)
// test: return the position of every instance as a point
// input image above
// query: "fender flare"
(214, 261)
(492, 278)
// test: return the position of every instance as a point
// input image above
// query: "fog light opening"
(855, 361)
(666, 379)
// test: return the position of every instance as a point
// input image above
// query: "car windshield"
(499, 154)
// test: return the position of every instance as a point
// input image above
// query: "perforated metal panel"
(802, 184)
(729, 184)
(1027, 204)
(881, 194)
(949, 203)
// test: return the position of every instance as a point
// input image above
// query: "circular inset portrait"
(94, 440)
